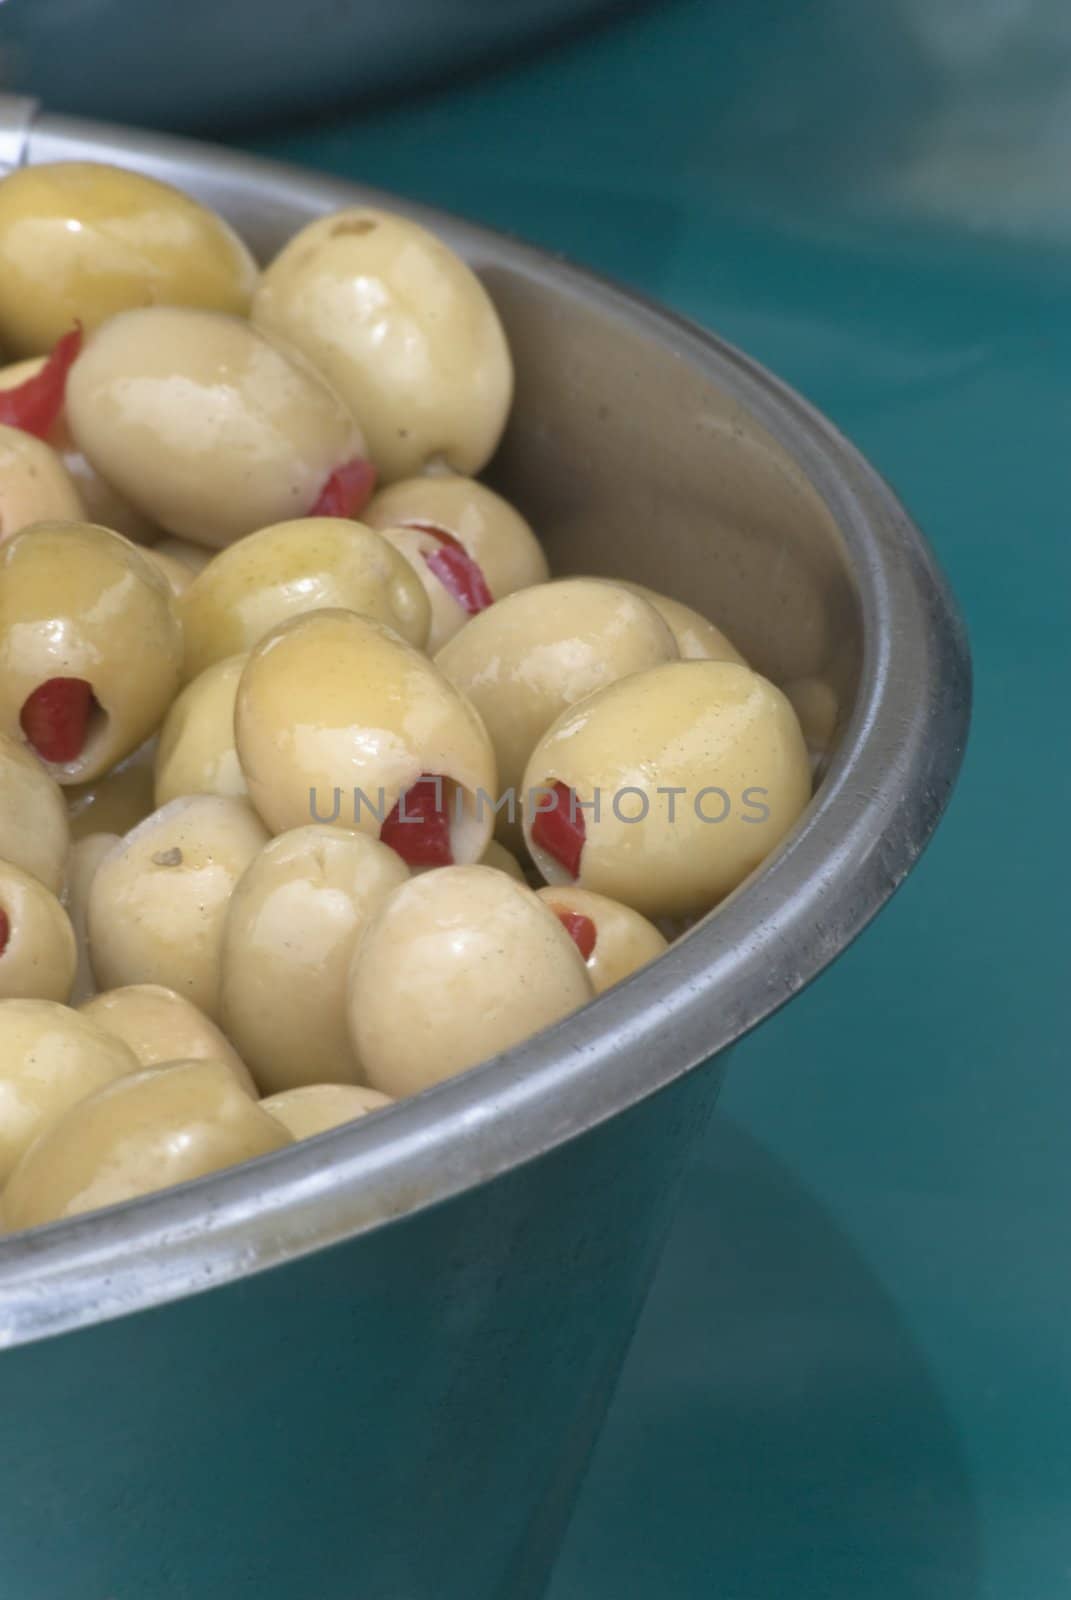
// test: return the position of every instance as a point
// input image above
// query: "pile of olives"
(315, 787)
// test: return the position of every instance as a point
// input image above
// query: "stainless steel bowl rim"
(872, 817)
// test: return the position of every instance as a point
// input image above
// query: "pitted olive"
(404, 331)
(81, 240)
(160, 1126)
(90, 646)
(205, 425)
(338, 720)
(665, 789)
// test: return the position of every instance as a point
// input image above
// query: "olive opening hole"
(557, 830)
(580, 929)
(63, 722)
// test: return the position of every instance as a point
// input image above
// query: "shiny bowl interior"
(641, 446)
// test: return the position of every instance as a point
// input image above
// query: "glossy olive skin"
(718, 732)
(815, 702)
(292, 925)
(160, 1126)
(158, 902)
(195, 753)
(177, 573)
(194, 556)
(116, 802)
(496, 855)
(38, 957)
(81, 241)
(35, 486)
(158, 1026)
(207, 427)
(527, 658)
(98, 501)
(697, 637)
(79, 601)
(50, 1058)
(281, 572)
(490, 530)
(373, 714)
(446, 615)
(403, 329)
(316, 1107)
(624, 941)
(34, 831)
(85, 857)
(459, 964)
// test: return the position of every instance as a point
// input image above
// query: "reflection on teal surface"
(854, 1378)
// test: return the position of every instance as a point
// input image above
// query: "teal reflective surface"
(202, 64)
(854, 1376)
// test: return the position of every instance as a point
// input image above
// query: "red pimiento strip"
(455, 569)
(419, 828)
(560, 831)
(580, 929)
(34, 405)
(55, 718)
(347, 491)
(5, 930)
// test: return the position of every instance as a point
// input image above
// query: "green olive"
(50, 1058)
(86, 856)
(34, 831)
(158, 1127)
(205, 425)
(97, 500)
(37, 947)
(291, 929)
(194, 556)
(176, 572)
(524, 660)
(158, 1025)
(158, 902)
(196, 753)
(622, 940)
(697, 638)
(418, 514)
(459, 964)
(315, 1107)
(80, 241)
(815, 702)
(373, 716)
(81, 606)
(496, 855)
(690, 774)
(35, 486)
(281, 572)
(403, 329)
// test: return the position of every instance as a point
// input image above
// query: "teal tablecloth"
(852, 1382)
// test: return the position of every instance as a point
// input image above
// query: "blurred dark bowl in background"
(211, 64)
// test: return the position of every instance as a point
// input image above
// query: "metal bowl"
(375, 1364)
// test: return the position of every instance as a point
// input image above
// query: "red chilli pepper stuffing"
(419, 827)
(560, 830)
(55, 718)
(5, 930)
(34, 406)
(455, 569)
(347, 491)
(580, 929)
